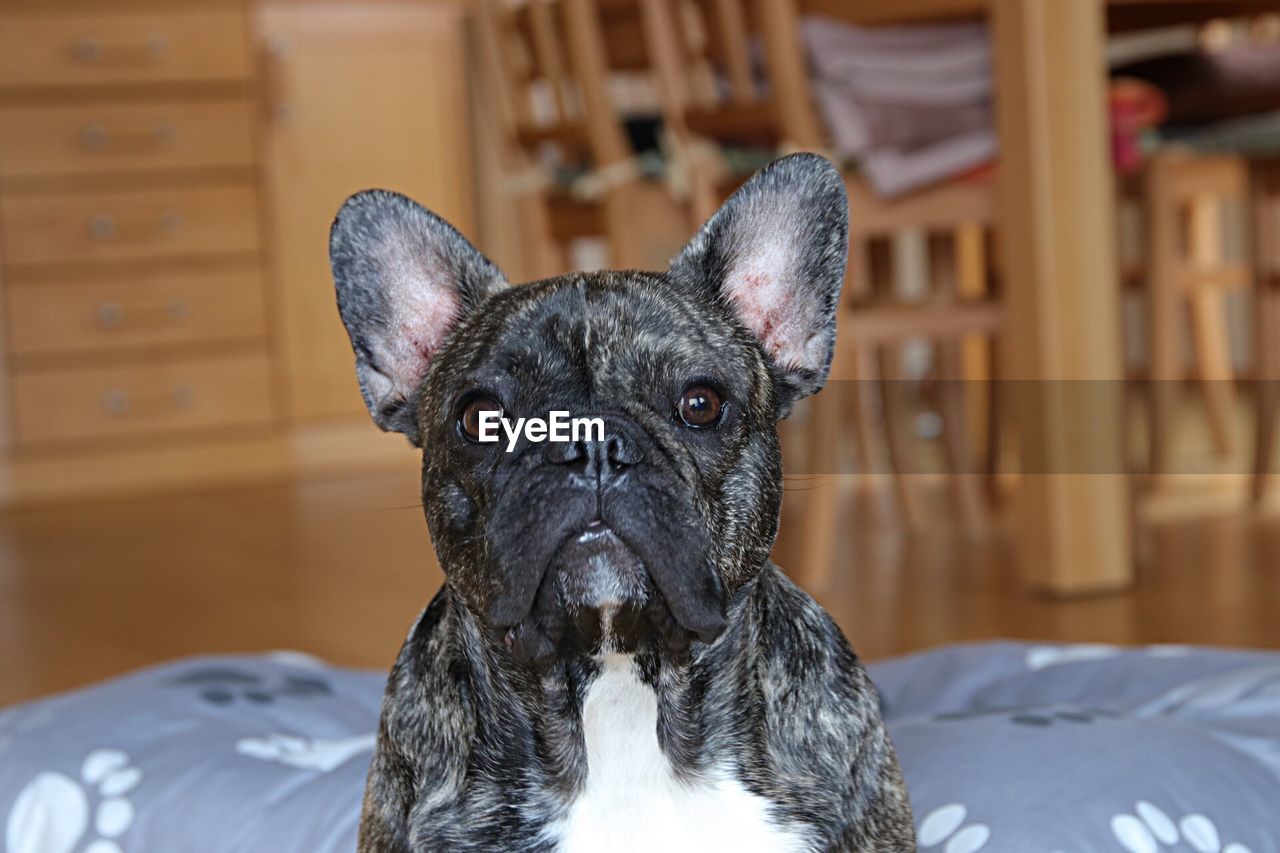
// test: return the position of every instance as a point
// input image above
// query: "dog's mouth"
(595, 569)
(596, 597)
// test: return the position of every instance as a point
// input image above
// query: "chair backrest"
(714, 57)
(711, 98)
(1189, 203)
(547, 85)
(550, 78)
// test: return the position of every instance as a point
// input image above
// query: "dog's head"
(638, 529)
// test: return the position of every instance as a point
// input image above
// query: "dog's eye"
(700, 406)
(469, 420)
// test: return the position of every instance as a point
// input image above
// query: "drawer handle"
(276, 53)
(119, 403)
(91, 50)
(106, 226)
(111, 315)
(97, 137)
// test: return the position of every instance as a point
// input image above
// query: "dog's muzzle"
(631, 564)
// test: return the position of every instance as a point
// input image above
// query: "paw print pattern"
(223, 686)
(1048, 717)
(946, 823)
(1042, 657)
(323, 754)
(1150, 827)
(57, 814)
(1037, 717)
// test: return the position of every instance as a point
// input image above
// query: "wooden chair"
(959, 315)
(1187, 272)
(874, 322)
(548, 88)
(687, 42)
(1265, 192)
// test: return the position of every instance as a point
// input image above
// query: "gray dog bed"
(1005, 746)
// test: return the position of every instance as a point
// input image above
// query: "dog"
(612, 662)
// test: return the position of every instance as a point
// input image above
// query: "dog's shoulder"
(797, 635)
(426, 712)
(418, 795)
(817, 695)
(424, 659)
(393, 773)
(831, 760)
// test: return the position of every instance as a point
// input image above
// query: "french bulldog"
(613, 663)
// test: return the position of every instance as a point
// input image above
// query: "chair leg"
(882, 364)
(973, 281)
(1164, 387)
(854, 366)
(860, 409)
(963, 480)
(861, 394)
(995, 433)
(898, 439)
(958, 268)
(824, 492)
(1209, 333)
(1163, 304)
(1210, 338)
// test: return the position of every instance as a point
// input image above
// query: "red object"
(1135, 106)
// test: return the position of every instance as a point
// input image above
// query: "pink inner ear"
(772, 311)
(422, 322)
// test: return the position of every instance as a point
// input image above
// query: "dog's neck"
(540, 715)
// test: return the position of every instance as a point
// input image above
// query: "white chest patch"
(633, 802)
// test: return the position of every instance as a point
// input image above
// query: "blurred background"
(1054, 402)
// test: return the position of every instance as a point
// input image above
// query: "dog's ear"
(775, 253)
(404, 277)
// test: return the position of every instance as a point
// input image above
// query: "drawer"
(129, 225)
(111, 402)
(141, 311)
(62, 50)
(122, 138)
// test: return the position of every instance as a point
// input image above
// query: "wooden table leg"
(1064, 340)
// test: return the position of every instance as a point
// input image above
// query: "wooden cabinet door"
(358, 94)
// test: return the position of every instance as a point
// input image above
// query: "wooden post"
(546, 47)
(779, 21)
(662, 41)
(496, 87)
(1064, 341)
(609, 146)
(731, 25)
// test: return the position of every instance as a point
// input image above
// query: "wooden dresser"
(167, 175)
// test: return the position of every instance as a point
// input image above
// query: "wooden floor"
(341, 568)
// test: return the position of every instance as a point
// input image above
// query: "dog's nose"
(596, 459)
